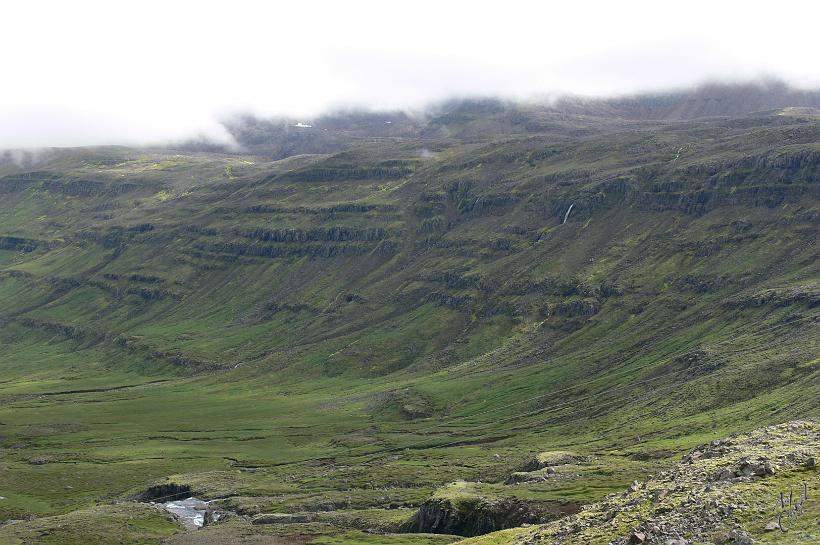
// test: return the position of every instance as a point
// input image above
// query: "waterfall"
(568, 211)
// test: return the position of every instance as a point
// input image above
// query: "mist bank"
(467, 118)
(471, 117)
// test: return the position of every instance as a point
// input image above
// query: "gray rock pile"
(713, 496)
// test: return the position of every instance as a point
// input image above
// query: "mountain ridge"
(358, 327)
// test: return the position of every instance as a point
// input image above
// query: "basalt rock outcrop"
(461, 509)
(165, 492)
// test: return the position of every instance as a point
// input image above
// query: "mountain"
(711, 100)
(346, 316)
(479, 118)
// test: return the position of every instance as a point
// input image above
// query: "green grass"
(106, 525)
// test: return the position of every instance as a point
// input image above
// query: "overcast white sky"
(90, 72)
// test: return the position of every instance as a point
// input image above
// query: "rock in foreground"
(724, 492)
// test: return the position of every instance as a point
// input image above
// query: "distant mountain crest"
(715, 100)
(479, 117)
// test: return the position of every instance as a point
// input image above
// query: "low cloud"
(93, 72)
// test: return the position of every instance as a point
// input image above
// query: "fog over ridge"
(99, 73)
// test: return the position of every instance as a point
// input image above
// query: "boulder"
(760, 469)
(549, 458)
(739, 537)
(659, 494)
(461, 508)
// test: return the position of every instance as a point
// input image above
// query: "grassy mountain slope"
(350, 330)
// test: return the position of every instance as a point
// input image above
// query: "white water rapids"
(191, 511)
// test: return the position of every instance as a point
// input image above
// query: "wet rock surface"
(191, 512)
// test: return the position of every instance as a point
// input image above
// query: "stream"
(191, 511)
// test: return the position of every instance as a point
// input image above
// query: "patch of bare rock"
(723, 492)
